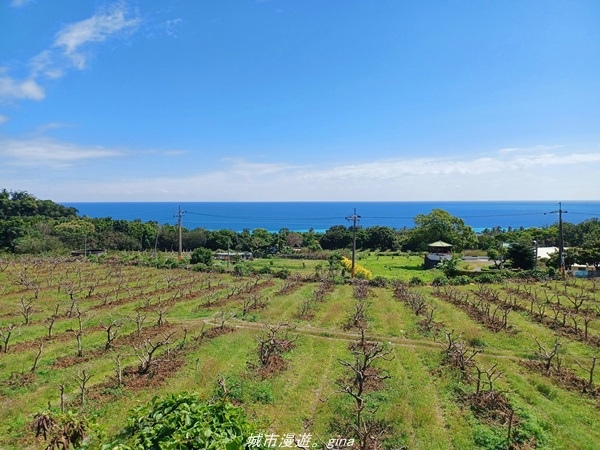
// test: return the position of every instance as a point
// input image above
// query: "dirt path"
(346, 336)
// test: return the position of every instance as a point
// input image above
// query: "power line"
(298, 222)
(277, 218)
(584, 214)
(264, 218)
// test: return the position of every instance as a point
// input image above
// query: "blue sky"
(300, 100)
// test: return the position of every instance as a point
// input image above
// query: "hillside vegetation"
(306, 354)
(32, 226)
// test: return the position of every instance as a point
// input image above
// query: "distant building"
(89, 251)
(224, 256)
(436, 253)
(545, 252)
(584, 271)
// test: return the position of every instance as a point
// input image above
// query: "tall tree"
(382, 238)
(440, 225)
(336, 237)
(522, 255)
(222, 240)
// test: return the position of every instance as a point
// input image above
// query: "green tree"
(194, 238)
(76, 232)
(382, 238)
(497, 255)
(202, 255)
(335, 262)
(450, 266)
(144, 233)
(590, 252)
(311, 241)
(23, 204)
(336, 237)
(116, 240)
(293, 239)
(261, 241)
(440, 225)
(222, 240)
(168, 238)
(521, 255)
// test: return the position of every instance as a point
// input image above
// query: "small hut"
(88, 251)
(436, 253)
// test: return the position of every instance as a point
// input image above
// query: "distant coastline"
(320, 216)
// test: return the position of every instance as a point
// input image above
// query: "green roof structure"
(440, 244)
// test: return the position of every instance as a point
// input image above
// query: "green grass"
(403, 267)
(419, 401)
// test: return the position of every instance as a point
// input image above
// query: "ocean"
(319, 216)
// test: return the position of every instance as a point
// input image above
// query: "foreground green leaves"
(184, 421)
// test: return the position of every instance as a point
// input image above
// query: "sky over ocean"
(300, 100)
(301, 216)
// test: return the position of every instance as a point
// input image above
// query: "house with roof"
(437, 252)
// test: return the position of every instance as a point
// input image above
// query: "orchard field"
(383, 365)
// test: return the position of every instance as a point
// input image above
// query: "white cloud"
(45, 63)
(171, 25)
(67, 50)
(48, 153)
(174, 152)
(11, 88)
(97, 28)
(19, 3)
(3, 119)
(41, 129)
(526, 174)
(518, 160)
(243, 168)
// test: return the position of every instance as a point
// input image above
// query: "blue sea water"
(302, 216)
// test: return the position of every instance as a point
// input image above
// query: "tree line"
(31, 225)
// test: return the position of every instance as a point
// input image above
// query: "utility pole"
(354, 218)
(156, 241)
(561, 244)
(179, 214)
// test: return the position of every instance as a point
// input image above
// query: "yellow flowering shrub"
(359, 271)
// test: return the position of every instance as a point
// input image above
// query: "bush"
(476, 342)
(202, 255)
(282, 273)
(530, 432)
(461, 280)
(450, 266)
(242, 269)
(265, 270)
(416, 281)
(62, 429)
(183, 421)
(537, 275)
(439, 281)
(379, 281)
(359, 271)
(489, 438)
(199, 267)
(488, 278)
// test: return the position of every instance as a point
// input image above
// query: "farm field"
(506, 365)
(400, 267)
